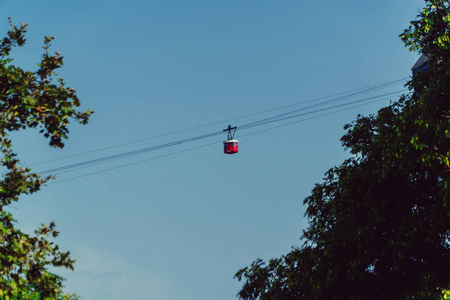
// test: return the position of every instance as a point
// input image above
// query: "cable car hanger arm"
(230, 134)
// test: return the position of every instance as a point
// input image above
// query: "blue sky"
(180, 226)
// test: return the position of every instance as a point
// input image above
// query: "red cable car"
(230, 146)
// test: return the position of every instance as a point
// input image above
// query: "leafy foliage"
(30, 100)
(379, 224)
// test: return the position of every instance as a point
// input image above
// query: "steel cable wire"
(280, 117)
(201, 146)
(345, 95)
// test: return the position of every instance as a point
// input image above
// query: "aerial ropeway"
(230, 146)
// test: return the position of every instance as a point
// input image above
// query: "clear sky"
(180, 226)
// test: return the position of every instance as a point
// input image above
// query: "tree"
(379, 224)
(36, 100)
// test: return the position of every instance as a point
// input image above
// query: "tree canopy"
(379, 223)
(39, 100)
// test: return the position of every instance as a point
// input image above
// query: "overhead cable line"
(130, 164)
(277, 118)
(311, 118)
(201, 146)
(345, 95)
(129, 153)
(288, 115)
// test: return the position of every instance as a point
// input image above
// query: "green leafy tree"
(379, 224)
(30, 99)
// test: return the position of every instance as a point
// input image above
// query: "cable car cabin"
(230, 146)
